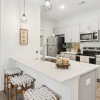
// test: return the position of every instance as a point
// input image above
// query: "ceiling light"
(62, 7)
(47, 6)
(24, 19)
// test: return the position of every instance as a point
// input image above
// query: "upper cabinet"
(89, 26)
(68, 34)
(72, 33)
(75, 33)
(59, 30)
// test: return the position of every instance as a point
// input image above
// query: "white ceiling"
(71, 8)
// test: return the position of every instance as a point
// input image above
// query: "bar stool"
(10, 73)
(20, 83)
(40, 93)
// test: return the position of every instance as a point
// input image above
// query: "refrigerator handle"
(56, 45)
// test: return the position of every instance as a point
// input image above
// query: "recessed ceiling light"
(62, 7)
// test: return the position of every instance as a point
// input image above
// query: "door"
(60, 43)
(68, 34)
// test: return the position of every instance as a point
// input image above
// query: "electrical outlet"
(88, 81)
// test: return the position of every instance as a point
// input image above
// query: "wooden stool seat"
(40, 93)
(8, 73)
(13, 71)
(24, 82)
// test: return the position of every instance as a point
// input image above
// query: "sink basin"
(50, 60)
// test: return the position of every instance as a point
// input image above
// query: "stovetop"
(90, 51)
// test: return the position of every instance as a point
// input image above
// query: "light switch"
(88, 81)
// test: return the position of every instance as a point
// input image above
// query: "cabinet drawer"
(81, 58)
(98, 59)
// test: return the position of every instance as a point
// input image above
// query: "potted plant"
(68, 46)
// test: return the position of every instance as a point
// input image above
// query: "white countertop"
(49, 69)
(68, 53)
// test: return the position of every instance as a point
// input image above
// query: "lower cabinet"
(84, 59)
(87, 86)
(98, 70)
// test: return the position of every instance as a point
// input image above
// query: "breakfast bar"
(65, 82)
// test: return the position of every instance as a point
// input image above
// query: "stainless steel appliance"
(55, 46)
(89, 37)
(95, 36)
(89, 54)
(85, 37)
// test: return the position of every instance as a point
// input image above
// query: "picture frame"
(23, 36)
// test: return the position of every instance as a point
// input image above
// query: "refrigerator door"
(52, 40)
(52, 51)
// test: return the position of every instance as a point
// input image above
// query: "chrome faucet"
(43, 50)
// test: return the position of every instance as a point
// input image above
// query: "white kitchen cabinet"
(86, 59)
(72, 33)
(84, 27)
(89, 26)
(81, 58)
(68, 34)
(94, 25)
(59, 30)
(75, 33)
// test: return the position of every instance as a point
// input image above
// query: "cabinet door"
(75, 33)
(86, 59)
(85, 27)
(81, 58)
(94, 25)
(55, 31)
(59, 30)
(68, 34)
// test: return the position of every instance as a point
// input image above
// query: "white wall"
(11, 12)
(82, 18)
(47, 25)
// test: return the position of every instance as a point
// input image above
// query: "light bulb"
(47, 6)
(24, 19)
(47, 3)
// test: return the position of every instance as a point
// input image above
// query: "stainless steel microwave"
(85, 37)
(88, 37)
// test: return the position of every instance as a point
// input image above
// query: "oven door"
(92, 60)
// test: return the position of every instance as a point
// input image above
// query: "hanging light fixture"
(24, 19)
(47, 6)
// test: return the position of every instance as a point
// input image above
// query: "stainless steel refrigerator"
(55, 46)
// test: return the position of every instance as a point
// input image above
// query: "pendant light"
(24, 19)
(47, 6)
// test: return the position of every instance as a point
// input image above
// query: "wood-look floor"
(4, 97)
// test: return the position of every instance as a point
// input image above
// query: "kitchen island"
(65, 82)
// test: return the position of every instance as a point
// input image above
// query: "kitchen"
(70, 25)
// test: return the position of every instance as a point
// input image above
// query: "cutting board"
(76, 47)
